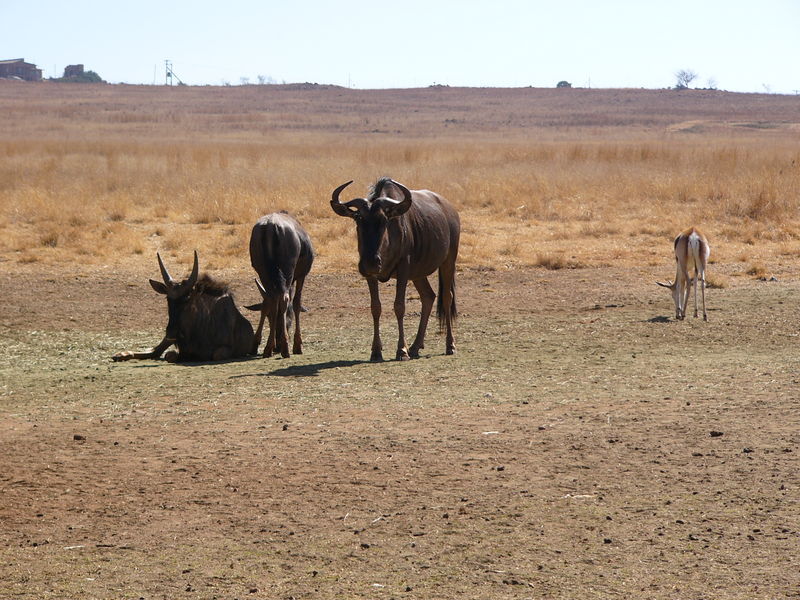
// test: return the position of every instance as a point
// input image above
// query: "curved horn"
(402, 206)
(261, 287)
(164, 273)
(336, 205)
(195, 269)
(669, 285)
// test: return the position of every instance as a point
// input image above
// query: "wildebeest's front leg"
(375, 307)
(400, 312)
(281, 336)
(269, 307)
(259, 330)
(426, 297)
(154, 353)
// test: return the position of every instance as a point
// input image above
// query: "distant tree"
(83, 77)
(683, 78)
(711, 83)
(563, 84)
(244, 80)
(262, 79)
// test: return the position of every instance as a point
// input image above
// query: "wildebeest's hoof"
(376, 357)
(120, 356)
(451, 350)
(403, 355)
(171, 356)
(413, 352)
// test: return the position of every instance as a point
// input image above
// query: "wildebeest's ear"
(158, 286)
(394, 208)
(255, 306)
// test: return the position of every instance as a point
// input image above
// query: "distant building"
(18, 68)
(73, 71)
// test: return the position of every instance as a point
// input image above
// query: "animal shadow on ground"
(161, 362)
(304, 370)
(659, 319)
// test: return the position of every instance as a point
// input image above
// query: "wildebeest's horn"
(406, 203)
(164, 273)
(260, 287)
(195, 270)
(336, 205)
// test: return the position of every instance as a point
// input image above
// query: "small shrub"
(757, 270)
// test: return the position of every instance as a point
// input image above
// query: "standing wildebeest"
(405, 235)
(281, 253)
(203, 323)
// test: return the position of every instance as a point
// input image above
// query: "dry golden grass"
(110, 174)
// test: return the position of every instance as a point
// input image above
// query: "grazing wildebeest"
(405, 235)
(203, 322)
(281, 253)
(691, 253)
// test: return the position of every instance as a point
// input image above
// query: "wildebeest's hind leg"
(297, 307)
(154, 353)
(426, 297)
(447, 301)
(222, 353)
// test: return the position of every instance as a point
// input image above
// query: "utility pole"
(171, 74)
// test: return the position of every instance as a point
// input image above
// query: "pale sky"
(743, 46)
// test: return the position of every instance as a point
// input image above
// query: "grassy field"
(114, 173)
(580, 444)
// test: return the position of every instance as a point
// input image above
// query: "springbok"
(691, 252)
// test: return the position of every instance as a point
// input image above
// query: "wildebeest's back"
(280, 251)
(436, 228)
(213, 321)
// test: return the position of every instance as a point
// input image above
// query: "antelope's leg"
(375, 307)
(400, 312)
(297, 305)
(426, 297)
(154, 353)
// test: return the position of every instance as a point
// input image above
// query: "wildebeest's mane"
(376, 191)
(213, 287)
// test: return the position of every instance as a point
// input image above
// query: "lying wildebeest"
(203, 323)
(691, 254)
(281, 253)
(405, 235)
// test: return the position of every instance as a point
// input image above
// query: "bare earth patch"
(581, 444)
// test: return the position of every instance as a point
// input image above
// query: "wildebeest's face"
(177, 294)
(273, 304)
(373, 224)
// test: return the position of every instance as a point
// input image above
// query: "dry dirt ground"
(580, 444)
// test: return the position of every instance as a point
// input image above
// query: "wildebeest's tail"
(440, 308)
